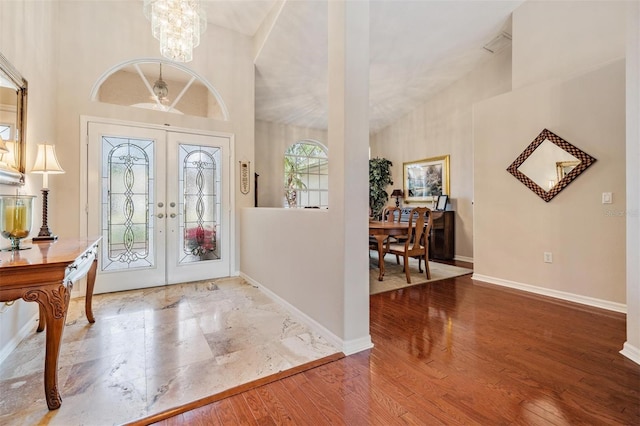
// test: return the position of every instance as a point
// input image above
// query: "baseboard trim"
(351, 347)
(571, 297)
(26, 329)
(347, 347)
(631, 352)
(463, 258)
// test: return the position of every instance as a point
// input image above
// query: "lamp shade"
(46, 160)
(46, 163)
(6, 157)
(397, 193)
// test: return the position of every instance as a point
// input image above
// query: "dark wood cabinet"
(442, 239)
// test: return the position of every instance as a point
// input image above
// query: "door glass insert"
(200, 186)
(127, 201)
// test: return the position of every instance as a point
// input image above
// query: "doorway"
(160, 199)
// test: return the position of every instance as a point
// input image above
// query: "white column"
(348, 134)
(632, 346)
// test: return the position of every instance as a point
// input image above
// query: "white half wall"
(316, 260)
(291, 254)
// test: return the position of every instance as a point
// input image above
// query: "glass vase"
(16, 216)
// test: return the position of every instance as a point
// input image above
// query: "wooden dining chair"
(416, 245)
(393, 214)
(389, 214)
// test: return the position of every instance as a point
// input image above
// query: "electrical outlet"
(548, 257)
(607, 198)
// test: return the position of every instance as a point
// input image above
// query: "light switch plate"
(607, 198)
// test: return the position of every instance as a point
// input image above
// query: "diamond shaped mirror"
(549, 164)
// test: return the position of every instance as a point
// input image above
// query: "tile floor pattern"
(154, 349)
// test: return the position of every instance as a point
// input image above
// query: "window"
(306, 175)
(162, 86)
(5, 132)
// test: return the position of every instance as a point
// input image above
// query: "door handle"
(172, 215)
(160, 204)
(160, 215)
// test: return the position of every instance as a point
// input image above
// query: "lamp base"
(44, 235)
(49, 238)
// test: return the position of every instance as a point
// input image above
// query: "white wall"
(514, 227)
(579, 94)
(27, 40)
(557, 38)
(443, 125)
(271, 141)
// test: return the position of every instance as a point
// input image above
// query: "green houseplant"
(379, 179)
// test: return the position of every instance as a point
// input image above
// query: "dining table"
(381, 230)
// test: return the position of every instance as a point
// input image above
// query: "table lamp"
(6, 153)
(397, 193)
(46, 163)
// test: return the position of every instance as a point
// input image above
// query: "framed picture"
(425, 180)
(441, 204)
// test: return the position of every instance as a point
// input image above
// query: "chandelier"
(178, 25)
(160, 88)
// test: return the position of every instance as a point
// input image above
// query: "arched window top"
(307, 148)
(178, 90)
(306, 175)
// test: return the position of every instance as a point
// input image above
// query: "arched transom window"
(306, 175)
(160, 85)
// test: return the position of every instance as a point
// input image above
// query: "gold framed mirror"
(13, 113)
(549, 164)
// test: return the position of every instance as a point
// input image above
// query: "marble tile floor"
(153, 349)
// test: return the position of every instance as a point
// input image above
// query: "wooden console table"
(442, 238)
(442, 242)
(45, 274)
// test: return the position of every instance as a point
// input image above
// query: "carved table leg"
(41, 319)
(380, 239)
(54, 302)
(91, 280)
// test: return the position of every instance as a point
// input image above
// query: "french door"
(160, 200)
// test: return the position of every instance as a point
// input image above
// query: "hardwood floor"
(458, 352)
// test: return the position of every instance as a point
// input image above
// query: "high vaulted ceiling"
(417, 48)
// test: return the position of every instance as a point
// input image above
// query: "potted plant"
(379, 179)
